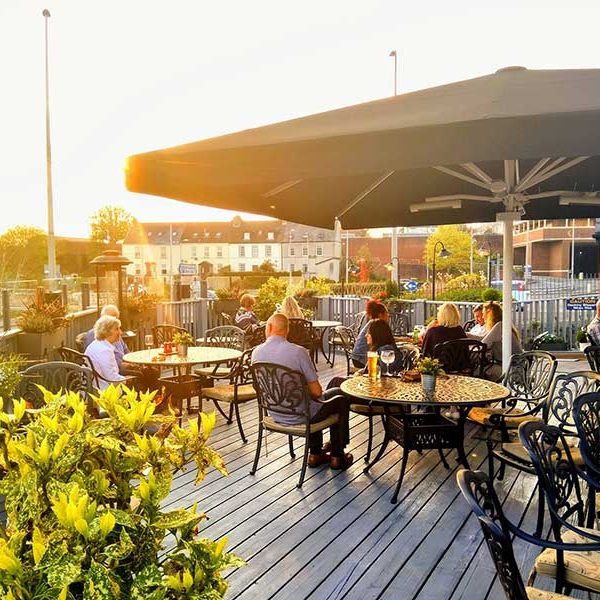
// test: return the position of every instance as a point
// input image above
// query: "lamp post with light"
(392, 267)
(443, 254)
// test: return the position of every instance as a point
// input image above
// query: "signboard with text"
(185, 269)
(582, 303)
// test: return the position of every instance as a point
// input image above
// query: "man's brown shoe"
(341, 462)
(315, 460)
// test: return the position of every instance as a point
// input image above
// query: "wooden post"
(64, 290)
(6, 309)
(85, 295)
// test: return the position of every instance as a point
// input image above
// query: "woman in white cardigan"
(101, 351)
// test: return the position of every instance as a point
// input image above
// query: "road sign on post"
(411, 286)
(187, 269)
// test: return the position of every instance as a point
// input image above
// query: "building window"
(330, 268)
(194, 252)
(219, 266)
(319, 250)
(270, 235)
(268, 251)
(305, 268)
(138, 270)
(219, 252)
(292, 267)
(254, 251)
(304, 251)
(321, 235)
(246, 235)
(206, 251)
(292, 251)
(138, 252)
(163, 252)
(255, 267)
(242, 250)
(242, 267)
(163, 269)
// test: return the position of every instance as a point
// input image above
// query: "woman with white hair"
(101, 351)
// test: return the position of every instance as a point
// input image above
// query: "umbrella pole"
(507, 290)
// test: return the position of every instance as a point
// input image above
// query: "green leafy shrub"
(227, 294)
(42, 317)
(269, 296)
(11, 366)
(391, 289)
(491, 295)
(581, 336)
(83, 503)
(551, 338)
(320, 286)
(430, 366)
(466, 282)
(367, 289)
(461, 295)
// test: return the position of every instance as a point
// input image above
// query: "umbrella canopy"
(517, 144)
(382, 155)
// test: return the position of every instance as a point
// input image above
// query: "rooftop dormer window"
(246, 235)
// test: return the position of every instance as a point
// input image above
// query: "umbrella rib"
(478, 172)
(463, 197)
(547, 174)
(281, 188)
(548, 194)
(464, 177)
(554, 164)
(366, 192)
(532, 172)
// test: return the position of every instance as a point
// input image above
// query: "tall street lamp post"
(443, 254)
(51, 242)
(395, 55)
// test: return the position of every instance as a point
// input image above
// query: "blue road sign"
(411, 286)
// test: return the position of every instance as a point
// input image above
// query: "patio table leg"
(384, 445)
(460, 436)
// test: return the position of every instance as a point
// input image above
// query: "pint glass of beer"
(373, 365)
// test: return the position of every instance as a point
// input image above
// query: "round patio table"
(322, 327)
(424, 428)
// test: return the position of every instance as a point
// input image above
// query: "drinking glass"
(388, 357)
(148, 342)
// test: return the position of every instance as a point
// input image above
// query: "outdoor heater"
(110, 262)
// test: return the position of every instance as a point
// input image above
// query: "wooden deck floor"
(339, 536)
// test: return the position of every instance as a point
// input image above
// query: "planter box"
(39, 346)
(311, 302)
(554, 347)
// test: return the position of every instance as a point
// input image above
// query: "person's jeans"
(339, 433)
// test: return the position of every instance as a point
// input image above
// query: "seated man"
(593, 329)
(120, 346)
(478, 330)
(278, 350)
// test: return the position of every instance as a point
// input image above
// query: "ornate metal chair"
(556, 410)
(592, 353)
(529, 377)
(336, 341)
(479, 492)
(536, 343)
(164, 333)
(80, 341)
(469, 325)
(302, 333)
(358, 322)
(240, 389)
(346, 338)
(399, 323)
(464, 357)
(224, 336)
(54, 376)
(574, 561)
(226, 319)
(255, 335)
(285, 392)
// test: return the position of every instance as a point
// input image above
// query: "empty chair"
(255, 335)
(164, 333)
(302, 333)
(224, 336)
(536, 343)
(54, 376)
(464, 356)
(398, 323)
(592, 353)
(346, 340)
(483, 501)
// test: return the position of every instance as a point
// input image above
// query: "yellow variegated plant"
(83, 499)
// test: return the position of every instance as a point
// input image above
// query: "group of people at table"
(106, 348)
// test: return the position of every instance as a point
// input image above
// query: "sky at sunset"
(129, 76)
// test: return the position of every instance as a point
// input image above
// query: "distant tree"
(110, 224)
(267, 267)
(458, 243)
(23, 253)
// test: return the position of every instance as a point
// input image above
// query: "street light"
(443, 254)
(390, 267)
(395, 55)
(51, 242)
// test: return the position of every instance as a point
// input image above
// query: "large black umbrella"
(515, 144)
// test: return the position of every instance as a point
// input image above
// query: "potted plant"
(552, 342)
(429, 368)
(183, 340)
(582, 339)
(228, 301)
(42, 328)
(85, 517)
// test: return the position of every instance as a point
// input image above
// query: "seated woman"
(379, 338)
(492, 313)
(374, 310)
(101, 351)
(291, 309)
(448, 328)
(245, 316)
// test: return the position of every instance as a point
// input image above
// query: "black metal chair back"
(164, 333)
(358, 322)
(463, 356)
(347, 339)
(73, 356)
(479, 493)
(54, 376)
(226, 319)
(586, 414)
(240, 371)
(469, 325)
(409, 356)
(301, 332)
(255, 335)
(557, 475)
(530, 375)
(398, 323)
(592, 353)
(225, 336)
(537, 341)
(80, 341)
(280, 390)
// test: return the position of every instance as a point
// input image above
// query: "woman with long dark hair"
(380, 338)
(374, 310)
